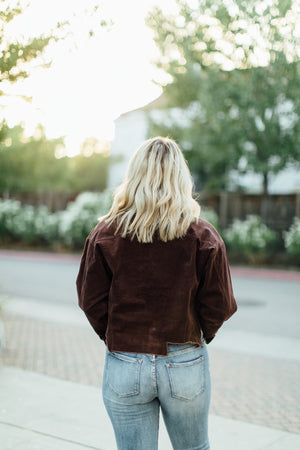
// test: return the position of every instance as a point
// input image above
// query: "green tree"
(15, 55)
(234, 76)
(89, 169)
(28, 163)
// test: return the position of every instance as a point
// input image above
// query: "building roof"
(159, 102)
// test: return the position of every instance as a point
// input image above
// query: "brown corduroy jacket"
(139, 297)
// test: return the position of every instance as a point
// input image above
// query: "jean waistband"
(178, 347)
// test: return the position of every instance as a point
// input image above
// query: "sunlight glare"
(91, 80)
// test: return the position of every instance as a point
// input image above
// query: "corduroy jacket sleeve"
(215, 301)
(93, 285)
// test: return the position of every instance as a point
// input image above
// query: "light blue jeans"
(135, 386)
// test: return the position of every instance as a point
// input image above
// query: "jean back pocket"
(187, 378)
(123, 374)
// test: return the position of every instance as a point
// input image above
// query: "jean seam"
(153, 374)
(125, 357)
(184, 350)
(187, 363)
(188, 399)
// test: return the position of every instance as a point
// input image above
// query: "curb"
(40, 256)
(272, 274)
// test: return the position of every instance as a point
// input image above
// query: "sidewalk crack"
(49, 435)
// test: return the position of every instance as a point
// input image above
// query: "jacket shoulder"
(206, 234)
(101, 231)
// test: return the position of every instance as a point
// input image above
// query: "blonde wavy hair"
(156, 194)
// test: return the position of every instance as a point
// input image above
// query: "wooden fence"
(276, 211)
(55, 201)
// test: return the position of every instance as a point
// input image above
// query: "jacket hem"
(158, 348)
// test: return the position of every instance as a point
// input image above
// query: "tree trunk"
(265, 183)
(6, 195)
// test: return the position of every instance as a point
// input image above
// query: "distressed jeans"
(136, 386)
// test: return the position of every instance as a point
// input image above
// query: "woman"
(155, 285)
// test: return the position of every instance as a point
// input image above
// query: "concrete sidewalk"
(269, 345)
(39, 412)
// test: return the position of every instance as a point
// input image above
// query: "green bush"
(210, 216)
(38, 226)
(25, 223)
(16, 221)
(9, 212)
(46, 225)
(80, 216)
(251, 238)
(292, 239)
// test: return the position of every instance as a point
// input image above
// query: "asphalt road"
(43, 280)
(268, 306)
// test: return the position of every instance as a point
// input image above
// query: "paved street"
(266, 305)
(46, 279)
(255, 358)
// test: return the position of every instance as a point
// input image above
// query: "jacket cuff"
(208, 339)
(102, 336)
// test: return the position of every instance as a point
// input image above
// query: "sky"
(91, 80)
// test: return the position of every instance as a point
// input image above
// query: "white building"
(131, 129)
(130, 132)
